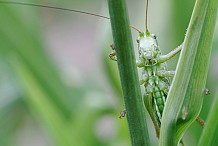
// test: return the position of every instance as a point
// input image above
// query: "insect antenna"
(146, 17)
(53, 7)
(60, 8)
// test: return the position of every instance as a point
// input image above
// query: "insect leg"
(149, 106)
(164, 58)
(200, 122)
(144, 78)
(164, 73)
(198, 119)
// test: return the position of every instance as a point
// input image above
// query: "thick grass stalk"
(128, 73)
(187, 91)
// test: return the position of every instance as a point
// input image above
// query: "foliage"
(53, 96)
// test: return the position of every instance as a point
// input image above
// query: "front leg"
(164, 58)
(163, 73)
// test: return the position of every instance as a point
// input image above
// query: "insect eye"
(138, 39)
(154, 36)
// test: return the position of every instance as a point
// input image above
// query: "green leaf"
(187, 91)
(128, 72)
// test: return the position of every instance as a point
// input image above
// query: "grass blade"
(184, 105)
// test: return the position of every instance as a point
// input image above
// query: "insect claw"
(184, 113)
(122, 114)
(112, 55)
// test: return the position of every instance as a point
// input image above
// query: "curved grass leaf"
(187, 91)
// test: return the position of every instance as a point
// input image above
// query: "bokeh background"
(58, 86)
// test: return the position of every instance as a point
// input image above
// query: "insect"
(155, 76)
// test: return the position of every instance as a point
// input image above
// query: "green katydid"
(155, 76)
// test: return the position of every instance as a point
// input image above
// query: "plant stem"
(128, 73)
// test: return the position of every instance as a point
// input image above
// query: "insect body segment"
(155, 76)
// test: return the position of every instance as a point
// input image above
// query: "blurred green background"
(58, 86)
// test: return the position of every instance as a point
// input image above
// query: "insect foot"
(122, 114)
(112, 55)
(184, 113)
(206, 91)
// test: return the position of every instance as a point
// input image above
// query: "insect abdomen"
(159, 101)
(156, 88)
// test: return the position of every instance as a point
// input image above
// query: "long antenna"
(60, 8)
(53, 7)
(146, 16)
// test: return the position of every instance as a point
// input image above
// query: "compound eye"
(154, 36)
(138, 39)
